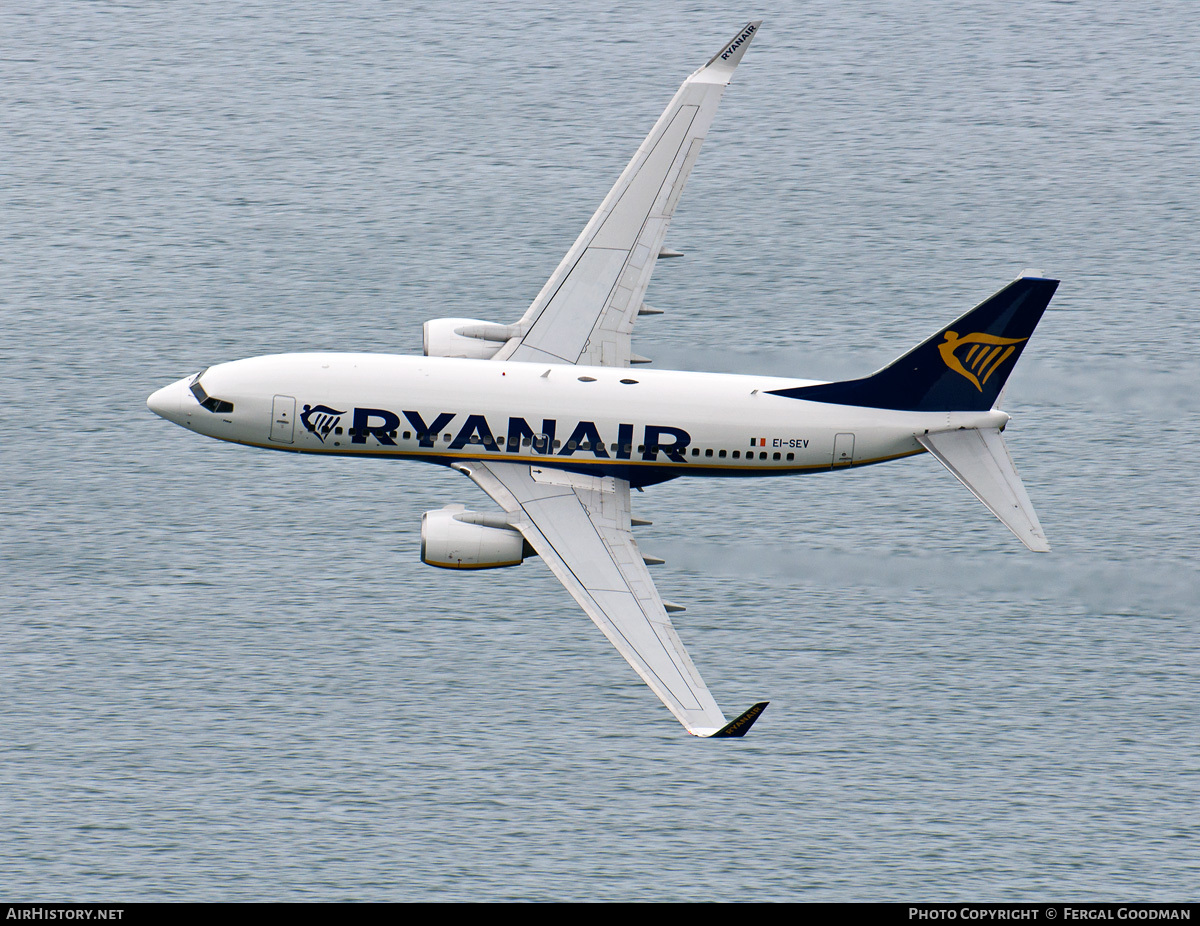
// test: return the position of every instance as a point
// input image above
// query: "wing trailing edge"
(979, 459)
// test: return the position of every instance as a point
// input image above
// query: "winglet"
(742, 724)
(731, 52)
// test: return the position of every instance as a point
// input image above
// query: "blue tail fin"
(961, 368)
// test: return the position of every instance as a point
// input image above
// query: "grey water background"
(226, 674)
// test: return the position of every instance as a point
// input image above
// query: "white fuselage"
(644, 425)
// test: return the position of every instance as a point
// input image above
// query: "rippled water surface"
(227, 674)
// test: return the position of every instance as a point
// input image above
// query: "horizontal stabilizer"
(742, 725)
(979, 459)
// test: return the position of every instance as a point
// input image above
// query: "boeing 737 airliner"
(548, 418)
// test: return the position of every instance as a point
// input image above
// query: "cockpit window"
(212, 403)
(197, 389)
(220, 406)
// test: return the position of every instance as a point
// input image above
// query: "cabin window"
(763, 455)
(791, 456)
(776, 457)
(338, 430)
(721, 454)
(407, 434)
(737, 454)
(708, 452)
(695, 451)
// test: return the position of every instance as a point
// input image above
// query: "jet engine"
(455, 538)
(464, 337)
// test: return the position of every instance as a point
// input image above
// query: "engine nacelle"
(464, 337)
(454, 538)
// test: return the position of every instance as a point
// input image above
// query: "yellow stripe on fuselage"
(553, 460)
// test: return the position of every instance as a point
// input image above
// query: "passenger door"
(283, 415)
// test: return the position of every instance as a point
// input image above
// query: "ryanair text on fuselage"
(381, 424)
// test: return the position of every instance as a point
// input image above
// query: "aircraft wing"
(585, 312)
(581, 526)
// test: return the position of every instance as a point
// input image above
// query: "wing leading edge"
(585, 312)
(580, 526)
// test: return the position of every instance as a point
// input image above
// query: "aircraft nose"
(166, 402)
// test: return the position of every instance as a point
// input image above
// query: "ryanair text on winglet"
(746, 33)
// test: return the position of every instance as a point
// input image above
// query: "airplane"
(548, 417)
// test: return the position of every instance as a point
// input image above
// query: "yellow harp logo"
(976, 356)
